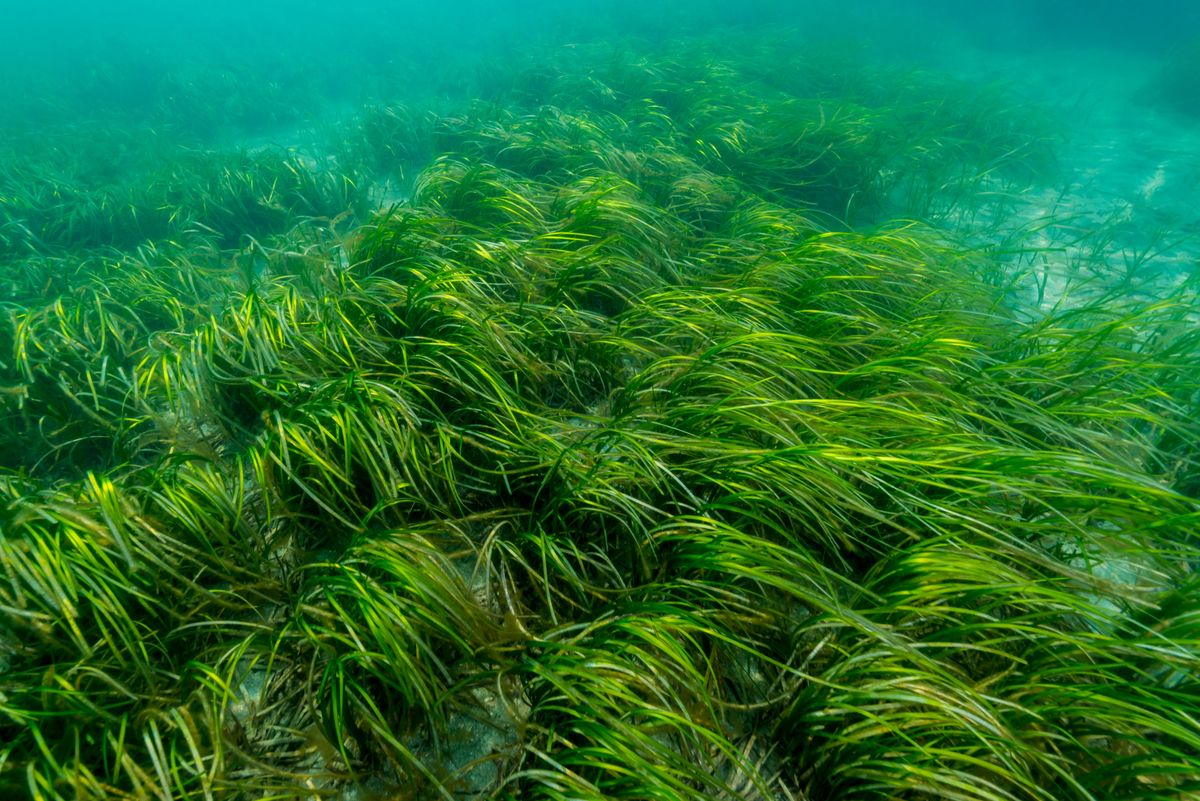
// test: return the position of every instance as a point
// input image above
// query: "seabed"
(722, 418)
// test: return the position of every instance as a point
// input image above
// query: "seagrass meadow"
(689, 418)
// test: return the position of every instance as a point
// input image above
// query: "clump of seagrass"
(1172, 87)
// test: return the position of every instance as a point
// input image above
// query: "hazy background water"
(100, 56)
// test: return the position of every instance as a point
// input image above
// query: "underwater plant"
(1173, 86)
(611, 462)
